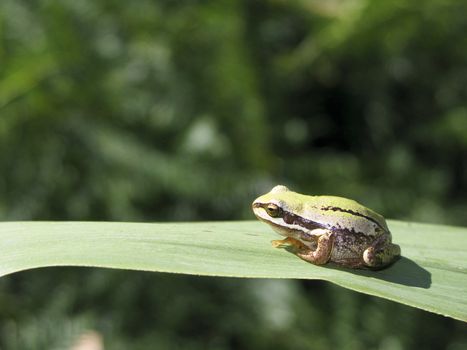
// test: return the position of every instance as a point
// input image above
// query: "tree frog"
(322, 229)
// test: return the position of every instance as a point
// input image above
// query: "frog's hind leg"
(381, 253)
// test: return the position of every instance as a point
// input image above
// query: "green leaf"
(431, 275)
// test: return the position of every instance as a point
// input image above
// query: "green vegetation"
(186, 111)
(432, 277)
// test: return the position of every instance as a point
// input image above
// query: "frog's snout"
(255, 205)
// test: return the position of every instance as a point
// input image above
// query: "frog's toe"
(287, 243)
(278, 243)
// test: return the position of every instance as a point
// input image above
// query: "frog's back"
(342, 213)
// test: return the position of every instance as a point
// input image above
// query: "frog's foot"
(289, 243)
(321, 254)
(381, 253)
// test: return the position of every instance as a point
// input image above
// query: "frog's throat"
(286, 231)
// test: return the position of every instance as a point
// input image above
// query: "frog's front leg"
(381, 253)
(288, 242)
(322, 253)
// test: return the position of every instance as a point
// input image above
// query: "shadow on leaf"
(404, 271)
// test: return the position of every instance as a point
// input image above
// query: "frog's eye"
(273, 210)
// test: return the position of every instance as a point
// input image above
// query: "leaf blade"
(432, 275)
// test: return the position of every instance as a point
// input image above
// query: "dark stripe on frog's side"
(351, 212)
(293, 219)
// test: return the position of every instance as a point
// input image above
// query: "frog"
(327, 229)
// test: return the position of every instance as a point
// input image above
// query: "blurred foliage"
(186, 110)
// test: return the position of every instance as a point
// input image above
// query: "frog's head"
(280, 208)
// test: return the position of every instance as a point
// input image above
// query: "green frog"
(322, 229)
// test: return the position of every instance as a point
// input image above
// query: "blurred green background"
(188, 110)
